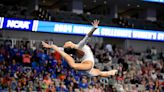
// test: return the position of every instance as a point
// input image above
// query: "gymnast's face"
(75, 52)
(69, 48)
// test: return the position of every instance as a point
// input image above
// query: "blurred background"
(130, 39)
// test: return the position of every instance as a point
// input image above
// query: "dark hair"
(70, 50)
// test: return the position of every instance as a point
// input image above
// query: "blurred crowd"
(35, 69)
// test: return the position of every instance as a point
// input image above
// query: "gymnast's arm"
(87, 37)
(62, 53)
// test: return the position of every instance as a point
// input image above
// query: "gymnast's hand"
(45, 45)
(95, 23)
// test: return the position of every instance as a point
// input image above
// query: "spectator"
(27, 59)
(97, 88)
(62, 87)
(150, 87)
(19, 87)
(47, 80)
(83, 84)
(153, 51)
(134, 89)
(1, 57)
(52, 88)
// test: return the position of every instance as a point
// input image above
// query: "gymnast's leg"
(97, 72)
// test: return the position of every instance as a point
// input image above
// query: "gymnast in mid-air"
(83, 53)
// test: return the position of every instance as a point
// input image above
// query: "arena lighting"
(159, 1)
(79, 29)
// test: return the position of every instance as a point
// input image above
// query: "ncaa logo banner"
(10, 23)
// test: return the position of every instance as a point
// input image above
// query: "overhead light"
(88, 13)
(138, 5)
(128, 4)
(105, 2)
(94, 1)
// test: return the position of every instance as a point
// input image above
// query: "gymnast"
(83, 53)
